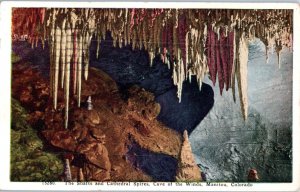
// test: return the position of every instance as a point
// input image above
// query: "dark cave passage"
(131, 67)
(37, 57)
(160, 167)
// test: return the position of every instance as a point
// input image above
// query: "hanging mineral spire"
(63, 51)
(242, 75)
(56, 66)
(187, 169)
(192, 42)
(79, 71)
(67, 73)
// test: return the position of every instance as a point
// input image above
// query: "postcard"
(149, 96)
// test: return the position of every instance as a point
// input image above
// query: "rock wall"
(98, 141)
(227, 147)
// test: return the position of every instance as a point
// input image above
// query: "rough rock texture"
(226, 147)
(187, 169)
(99, 139)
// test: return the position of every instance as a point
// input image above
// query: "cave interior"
(110, 92)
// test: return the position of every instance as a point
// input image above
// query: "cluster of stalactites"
(69, 41)
(190, 41)
(29, 22)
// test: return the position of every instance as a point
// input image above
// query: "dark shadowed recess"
(38, 57)
(128, 67)
(160, 167)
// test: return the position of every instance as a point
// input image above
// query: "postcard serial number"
(48, 183)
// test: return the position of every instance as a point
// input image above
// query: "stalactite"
(86, 55)
(51, 69)
(51, 36)
(175, 48)
(56, 66)
(278, 51)
(67, 72)
(242, 74)
(183, 39)
(212, 55)
(235, 61)
(190, 41)
(63, 51)
(159, 20)
(231, 57)
(164, 44)
(219, 66)
(224, 52)
(185, 55)
(74, 61)
(99, 42)
(79, 71)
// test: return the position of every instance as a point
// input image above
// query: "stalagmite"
(67, 167)
(80, 175)
(187, 169)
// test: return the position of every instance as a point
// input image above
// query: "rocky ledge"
(97, 140)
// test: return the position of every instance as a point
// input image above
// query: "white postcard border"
(5, 94)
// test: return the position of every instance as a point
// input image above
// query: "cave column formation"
(192, 42)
